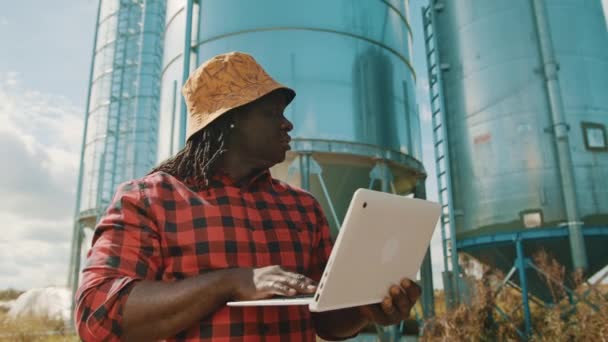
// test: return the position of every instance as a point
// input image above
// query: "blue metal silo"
(121, 115)
(355, 115)
(520, 114)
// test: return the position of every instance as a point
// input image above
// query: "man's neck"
(239, 167)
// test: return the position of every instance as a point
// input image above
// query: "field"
(30, 328)
(473, 322)
(563, 321)
(33, 329)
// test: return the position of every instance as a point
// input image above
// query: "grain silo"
(518, 91)
(121, 116)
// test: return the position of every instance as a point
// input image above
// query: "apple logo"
(390, 250)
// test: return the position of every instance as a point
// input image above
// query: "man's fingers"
(377, 313)
(397, 305)
(300, 286)
(291, 284)
(387, 306)
(412, 290)
(275, 280)
(279, 288)
(299, 277)
(300, 282)
(400, 300)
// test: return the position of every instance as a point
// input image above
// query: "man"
(211, 225)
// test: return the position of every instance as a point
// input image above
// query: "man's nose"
(286, 125)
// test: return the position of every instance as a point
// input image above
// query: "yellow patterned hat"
(225, 82)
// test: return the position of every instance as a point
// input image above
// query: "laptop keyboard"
(294, 297)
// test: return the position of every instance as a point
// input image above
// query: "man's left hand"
(396, 306)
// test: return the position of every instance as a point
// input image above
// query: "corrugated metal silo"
(523, 92)
(355, 117)
(355, 105)
(172, 106)
(121, 121)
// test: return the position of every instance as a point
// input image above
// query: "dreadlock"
(198, 159)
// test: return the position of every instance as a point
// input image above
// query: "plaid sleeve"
(126, 248)
(322, 244)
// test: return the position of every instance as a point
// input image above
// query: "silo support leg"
(506, 280)
(521, 265)
(570, 292)
(307, 166)
(381, 172)
(426, 270)
(75, 277)
(329, 202)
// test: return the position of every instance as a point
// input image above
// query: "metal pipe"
(198, 31)
(426, 271)
(186, 72)
(386, 176)
(75, 250)
(305, 171)
(329, 201)
(173, 104)
(507, 319)
(78, 241)
(560, 133)
(521, 265)
(408, 123)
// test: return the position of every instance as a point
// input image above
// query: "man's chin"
(279, 159)
(274, 159)
(272, 162)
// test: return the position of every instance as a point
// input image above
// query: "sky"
(44, 68)
(45, 58)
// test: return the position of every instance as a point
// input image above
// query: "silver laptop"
(383, 238)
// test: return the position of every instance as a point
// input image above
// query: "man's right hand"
(265, 282)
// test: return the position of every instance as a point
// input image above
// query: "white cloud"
(28, 263)
(40, 134)
(12, 79)
(3, 21)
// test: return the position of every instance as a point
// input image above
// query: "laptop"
(383, 238)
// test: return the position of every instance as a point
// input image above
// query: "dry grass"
(9, 294)
(480, 321)
(26, 329)
(473, 322)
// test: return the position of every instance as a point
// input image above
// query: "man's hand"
(396, 306)
(264, 282)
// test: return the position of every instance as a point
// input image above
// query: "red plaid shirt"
(159, 228)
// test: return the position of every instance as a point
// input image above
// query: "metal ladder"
(442, 160)
(121, 109)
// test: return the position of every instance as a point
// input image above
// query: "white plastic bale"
(49, 302)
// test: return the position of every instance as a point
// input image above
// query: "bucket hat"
(223, 83)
